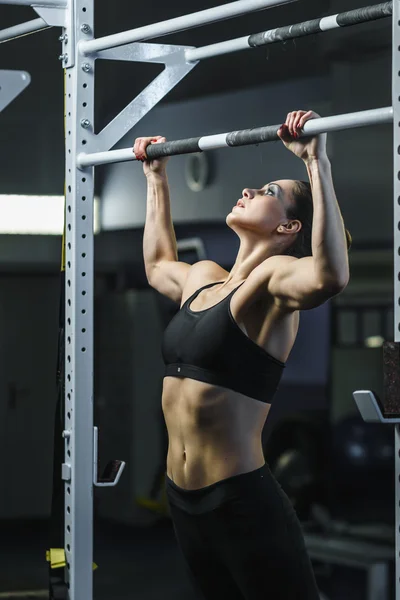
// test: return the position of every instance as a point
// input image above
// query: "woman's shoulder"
(203, 273)
(269, 266)
(207, 270)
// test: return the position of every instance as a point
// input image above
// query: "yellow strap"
(57, 560)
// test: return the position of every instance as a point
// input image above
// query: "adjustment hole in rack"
(69, 321)
(68, 510)
(84, 219)
(84, 238)
(68, 529)
(84, 142)
(83, 9)
(83, 293)
(69, 378)
(68, 490)
(69, 302)
(83, 179)
(83, 330)
(69, 189)
(84, 104)
(69, 283)
(83, 198)
(69, 265)
(69, 208)
(83, 349)
(69, 396)
(85, 85)
(68, 547)
(69, 245)
(84, 274)
(69, 359)
(69, 454)
(84, 311)
(69, 415)
(69, 340)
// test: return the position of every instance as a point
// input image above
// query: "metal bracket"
(176, 68)
(369, 406)
(113, 471)
(12, 83)
(61, 16)
(66, 472)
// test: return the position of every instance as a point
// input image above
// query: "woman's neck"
(251, 254)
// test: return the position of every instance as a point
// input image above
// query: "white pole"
(23, 29)
(35, 2)
(235, 45)
(378, 116)
(364, 118)
(281, 34)
(211, 15)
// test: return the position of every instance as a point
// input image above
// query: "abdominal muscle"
(214, 433)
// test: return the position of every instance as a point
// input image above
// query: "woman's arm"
(328, 240)
(306, 282)
(163, 271)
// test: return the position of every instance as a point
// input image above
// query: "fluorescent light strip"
(36, 215)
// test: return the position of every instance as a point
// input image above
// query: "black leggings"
(241, 539)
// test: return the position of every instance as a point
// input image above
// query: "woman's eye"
(269, 192)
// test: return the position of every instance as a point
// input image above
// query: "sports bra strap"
(197, 292)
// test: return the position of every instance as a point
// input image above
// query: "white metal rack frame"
(85, 149)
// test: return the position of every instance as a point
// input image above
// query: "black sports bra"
(208, 345)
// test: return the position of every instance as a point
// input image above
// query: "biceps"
(169, 277)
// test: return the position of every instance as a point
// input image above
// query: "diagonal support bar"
(290, 32)
(176, 68)
(11, 33)
(245, 137)
(12, 84)
(211, 15)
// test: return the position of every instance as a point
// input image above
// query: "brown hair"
(302, 209)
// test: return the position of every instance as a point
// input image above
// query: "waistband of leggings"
(210, 497)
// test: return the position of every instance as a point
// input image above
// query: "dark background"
(314, 415)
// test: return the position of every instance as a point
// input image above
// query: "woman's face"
(262, 210)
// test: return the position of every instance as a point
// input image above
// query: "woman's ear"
(290, 227)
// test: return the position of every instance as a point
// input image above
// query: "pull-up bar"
(378, 116)
(282, 34)
(23, 29)
(210, 15)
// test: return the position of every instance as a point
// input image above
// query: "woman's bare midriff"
(214, 433)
